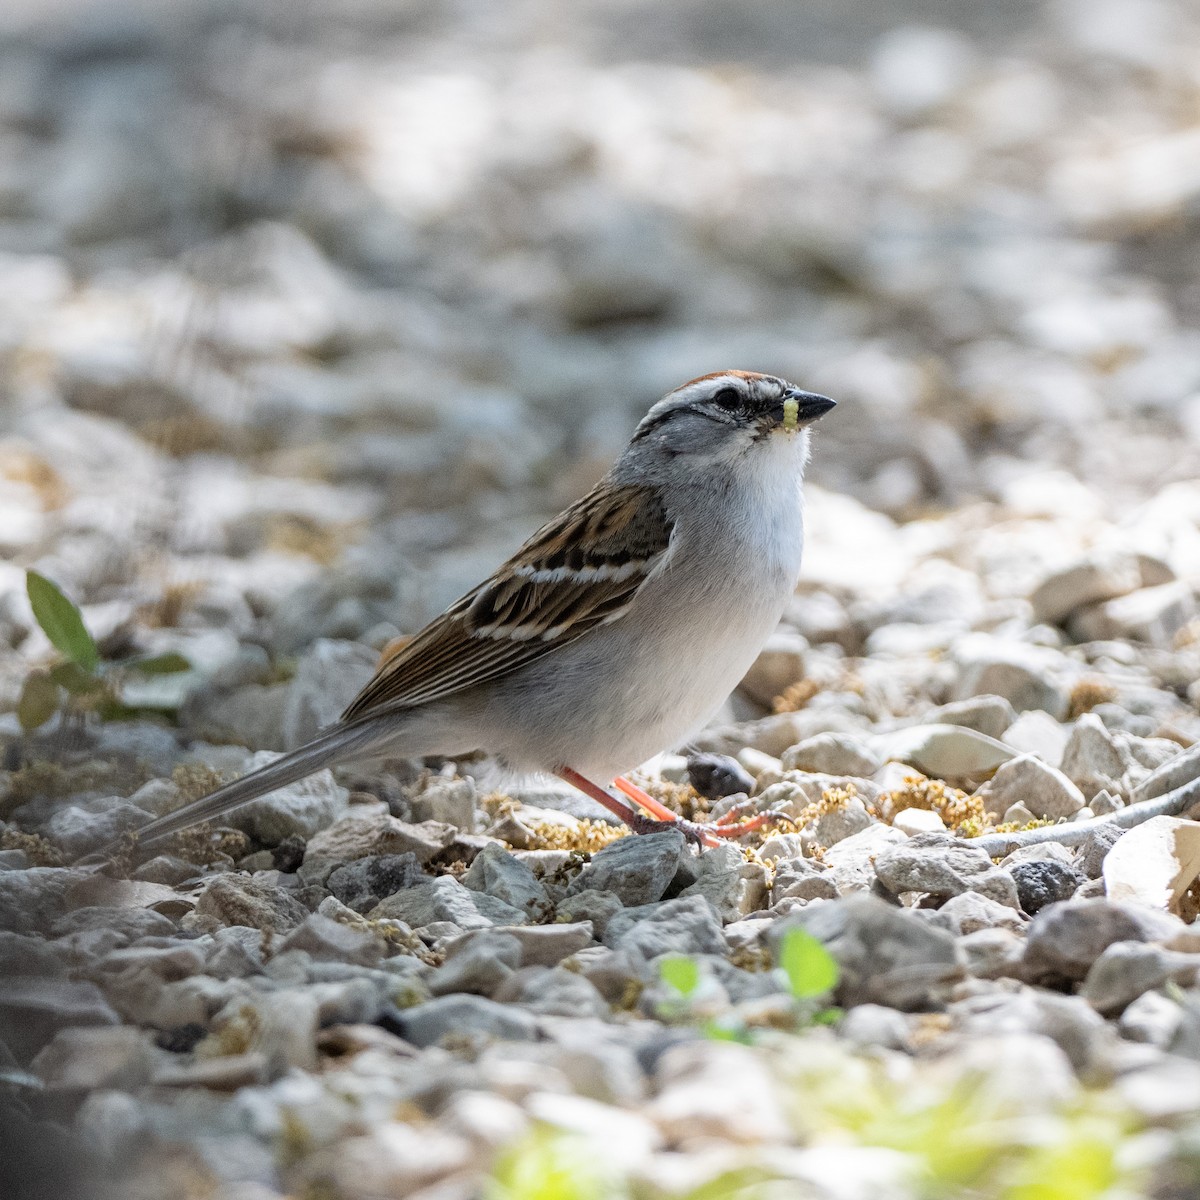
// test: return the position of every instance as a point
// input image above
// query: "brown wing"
(577, 572)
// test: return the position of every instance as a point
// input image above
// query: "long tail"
(333, 746)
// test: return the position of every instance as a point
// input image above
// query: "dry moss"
(205, 844)
(291, 533)
(954, 806)
(586, 838)
(796, 696)
(1088, 693)
(167, 611)
(831, 800)
(39, 851)
(194, 779)
(56, 780)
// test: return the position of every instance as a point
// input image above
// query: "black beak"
(797, 409)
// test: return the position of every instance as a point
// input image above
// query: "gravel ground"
(308, 315)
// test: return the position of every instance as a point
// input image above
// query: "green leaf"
(170, 663)
(61, 621)
(681, 973)
(39, 700)
(715, 1031)
(76, 680)
(810, 969)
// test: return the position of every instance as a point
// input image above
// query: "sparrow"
(616, 631)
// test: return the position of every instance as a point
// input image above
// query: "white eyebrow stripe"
(605, 573)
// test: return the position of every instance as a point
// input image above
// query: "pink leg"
(631, 817)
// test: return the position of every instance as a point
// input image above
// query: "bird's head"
(721, 419)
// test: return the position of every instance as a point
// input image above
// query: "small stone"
(1152, 1018)
(592, 906)
(1151, 615)
(733, 886)
(1018, 815)
(995, 953)
(167, 869)
(1104, 803)
(969, 912)
(394, 1159)
(464, 1016)
(717, 775)
(554, 992)
(944, 751)
(686, 925)
(129, 924)
(869, 1026)
(326, 940)
(833, 754)
(376, 835)
(886, 955)
(1043, 881)
(1092, 758)
(989, 715)
(449, 801)
(445, 899)
(1027, 676)
(328, 676)
(237, 900)
(288, 855)
(717, 1093)
(1126, 970)
(83, 1060)
(851, 863)
(478, 965)
(541, 945)
(499, 874)
(33, 1010)
(1065, 939)
(1154, 863)
(1048, 794)
(913, 821)
(1095, 850)
(1072, 588)
(299, 809)
(941, 866)
(802, 879)
(225, 1074)
(1180, 769)
(1038, 733)
(76, 830)
(780, 663)
(365, 882)
(637, 870)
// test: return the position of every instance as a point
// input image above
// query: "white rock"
(1088, 582)
(1152, 615)
(780, 663)
(302, 808)
(833, 754)
(1026, 675)
(943, 751)
(1037, 732)
(1154, 863)
(328, 676)
(1093, 759)
(1044, 791)
(918, 820)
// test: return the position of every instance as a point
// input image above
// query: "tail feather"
(335, 745)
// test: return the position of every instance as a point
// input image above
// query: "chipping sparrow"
(616, 631)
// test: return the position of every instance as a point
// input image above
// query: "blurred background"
(309, 311)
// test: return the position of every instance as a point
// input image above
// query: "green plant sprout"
(810, 970)
(83, 680)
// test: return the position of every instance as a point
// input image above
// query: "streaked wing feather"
(577, 572)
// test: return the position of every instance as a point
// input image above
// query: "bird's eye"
(728, 398)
